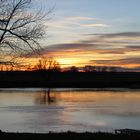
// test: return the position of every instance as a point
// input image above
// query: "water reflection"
(43, 110)
(45, 96)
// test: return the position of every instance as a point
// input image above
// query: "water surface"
(33, 110)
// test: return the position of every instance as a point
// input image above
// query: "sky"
(93, 32)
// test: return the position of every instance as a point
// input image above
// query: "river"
(79, 110)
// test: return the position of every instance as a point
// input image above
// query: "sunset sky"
(93, 32)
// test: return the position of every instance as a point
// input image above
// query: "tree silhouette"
(20, 28)
(73, 69)
(49, 64)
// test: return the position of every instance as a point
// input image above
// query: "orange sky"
(118, 49)
(98, 33)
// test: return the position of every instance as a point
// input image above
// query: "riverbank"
(68, 136)
(41, 79)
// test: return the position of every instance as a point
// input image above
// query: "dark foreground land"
(20, 79)
(68, 136)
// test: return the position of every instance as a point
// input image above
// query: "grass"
(68, 136)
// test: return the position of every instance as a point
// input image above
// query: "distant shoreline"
(42, 79)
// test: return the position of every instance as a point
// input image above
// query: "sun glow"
(65, 62)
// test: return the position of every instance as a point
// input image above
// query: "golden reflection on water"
(45, 97)
(68, 109)
(87, 96)
(122, 103)
(56, 97)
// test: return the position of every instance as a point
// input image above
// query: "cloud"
(70, 47)
(125, 61)
(82, 18)
(123, 34)
(76, 22)
(134, 36)
(135, 48)
(96, 44)
(103, 49)
(78, 48)
(96, 25)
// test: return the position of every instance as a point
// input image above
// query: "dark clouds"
(124, 61)
(124, 34)
(70, 46)
(104, 48)
(101, 43)
(113, 38)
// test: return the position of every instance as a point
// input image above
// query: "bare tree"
(21, 28)
(49, 64)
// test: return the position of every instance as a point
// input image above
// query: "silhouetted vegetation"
(69, 136)
(47, 64)
(72, 69)
(67, 79)
(21, 29)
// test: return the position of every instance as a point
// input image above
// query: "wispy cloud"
(118, 43)
(96, 25)
(133, 61)
(77, 22)
(102, 49)
(82, 18)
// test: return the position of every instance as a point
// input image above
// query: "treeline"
(69, 79)
(50, 64)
